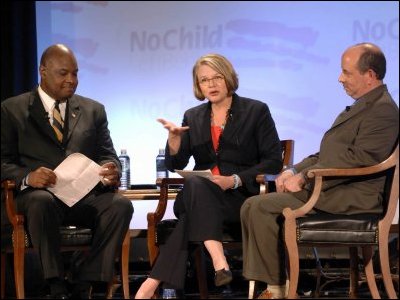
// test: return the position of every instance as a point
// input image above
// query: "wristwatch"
(236, 181)
(289, 168)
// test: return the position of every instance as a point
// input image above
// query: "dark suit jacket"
(28, 141)
(249, 144)
(363, 136)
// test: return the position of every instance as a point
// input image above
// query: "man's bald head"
(58, 72)
(371, 58)
(55, 51)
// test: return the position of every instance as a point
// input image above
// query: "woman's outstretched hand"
(174, 135)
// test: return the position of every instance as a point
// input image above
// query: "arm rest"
(8, 187)
(19, 238)
(153, 218)
(287, 157)
(164, 184)
(319, 174)
(264, 180)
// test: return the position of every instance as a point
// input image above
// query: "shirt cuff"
(24, 183)
(290, 169)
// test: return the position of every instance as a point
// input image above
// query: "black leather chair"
(352, 231)
(15, 239)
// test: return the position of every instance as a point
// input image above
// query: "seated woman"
(236, 138)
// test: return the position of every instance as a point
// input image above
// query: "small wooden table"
(147, 194)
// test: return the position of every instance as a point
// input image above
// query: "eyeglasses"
(215, 80)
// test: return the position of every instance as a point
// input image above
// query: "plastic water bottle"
(169, 294)
(161, 169)
(126, 170)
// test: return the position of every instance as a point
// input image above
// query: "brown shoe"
(265, 294)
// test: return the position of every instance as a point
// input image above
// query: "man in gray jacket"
(364, 134)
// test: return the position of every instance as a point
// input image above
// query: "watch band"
(236, 181)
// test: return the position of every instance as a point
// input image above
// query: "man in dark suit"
(35, 139)
(362, 135)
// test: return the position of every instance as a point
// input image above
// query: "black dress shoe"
(59, 296)
(82, 290)
(222, 277)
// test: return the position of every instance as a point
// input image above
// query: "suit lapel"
(346, 115)
(361, 104)
(73, 113)
(40, 117)
(233, 120)
(205, 127)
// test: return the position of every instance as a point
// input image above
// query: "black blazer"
(249, 144)
(28, 141)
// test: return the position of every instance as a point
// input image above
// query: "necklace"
(224, 122)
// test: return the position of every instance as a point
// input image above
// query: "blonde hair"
(221, 65)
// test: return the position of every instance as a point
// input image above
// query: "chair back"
(266, 181)
(391, 190)
(287, 152)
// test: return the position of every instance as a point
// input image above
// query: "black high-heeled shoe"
(222, 277)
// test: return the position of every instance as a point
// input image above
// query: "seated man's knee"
(248, 205)
(40, 201)
(123, 207)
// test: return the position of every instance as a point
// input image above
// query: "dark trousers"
(108, 214)
(202, 208)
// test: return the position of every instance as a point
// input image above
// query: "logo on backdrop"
(181, 38)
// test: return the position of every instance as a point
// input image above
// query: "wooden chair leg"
(110, 289)
(19, 261)
(385, 267)
(354, 274)
(125, 264)
(293, 254)
(200, 270)
(124, 269)
(3, 274)
(369, 272)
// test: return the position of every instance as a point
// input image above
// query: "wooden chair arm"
(319, 174)
(264, 180)
(153, 218)
(164, 184)
(8, 187)
(260, 179)
(387, 164)
(287, 158)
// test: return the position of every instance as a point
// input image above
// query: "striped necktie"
(58, 123)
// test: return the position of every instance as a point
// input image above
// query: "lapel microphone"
(348, 108)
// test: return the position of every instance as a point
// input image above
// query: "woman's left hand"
(224, 182)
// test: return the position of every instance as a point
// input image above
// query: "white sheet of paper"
(77, 175)
(201, 173)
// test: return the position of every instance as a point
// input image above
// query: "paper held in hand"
(189, 173)
(77, 175)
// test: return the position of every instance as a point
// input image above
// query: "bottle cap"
(123, 151)
(161, 151)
